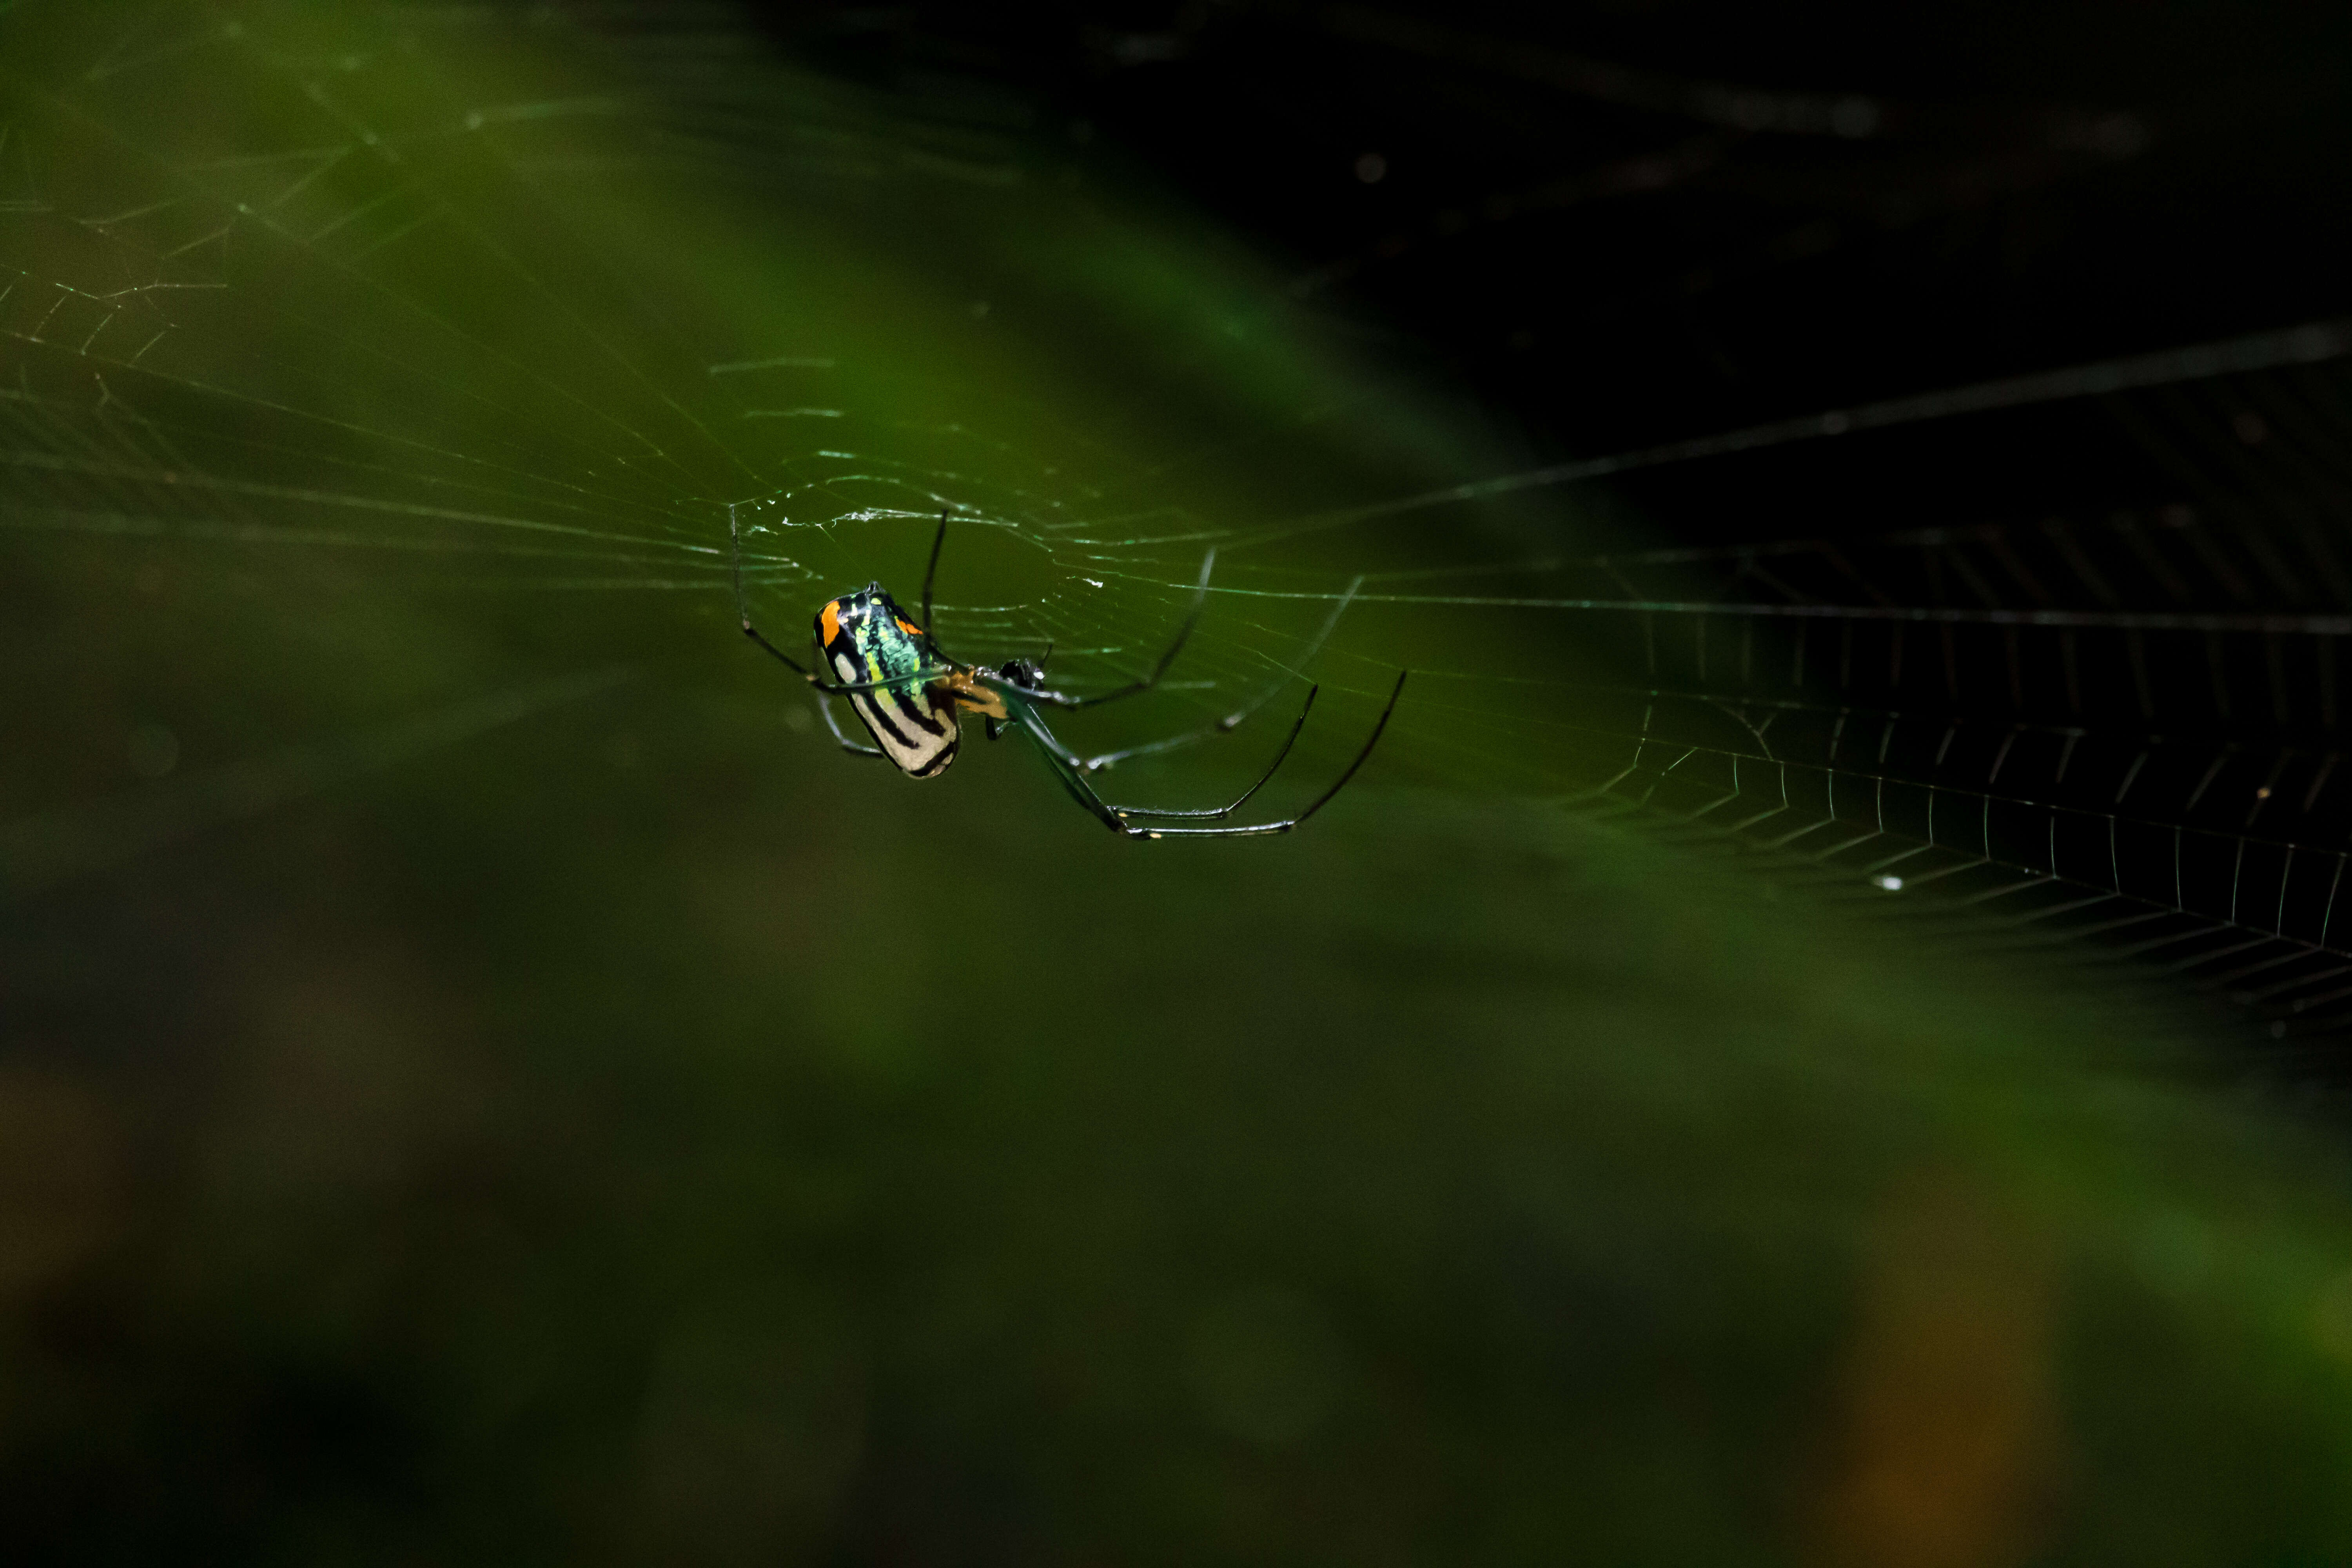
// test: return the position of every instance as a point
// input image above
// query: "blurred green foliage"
(500, 1092)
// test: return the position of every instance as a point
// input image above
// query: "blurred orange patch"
(1947, 1450)
(60, 1178)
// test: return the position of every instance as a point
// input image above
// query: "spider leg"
(1288, 740)
(929, 572)
(1191, 619)
(1233, 721)
(912, 677)
(743, 610)
(824, 706)
(932, 570)
(1260, 829)
(1065, 765)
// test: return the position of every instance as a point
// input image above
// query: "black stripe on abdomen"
(876, 719)
(926, 717)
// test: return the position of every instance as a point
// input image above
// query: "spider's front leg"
(1062, 761)
(1028, 676)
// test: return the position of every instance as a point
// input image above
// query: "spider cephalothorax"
(1024, 674)
(911, 697)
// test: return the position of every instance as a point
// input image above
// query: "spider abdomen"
(903, 700)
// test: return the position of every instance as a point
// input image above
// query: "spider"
(911, 697)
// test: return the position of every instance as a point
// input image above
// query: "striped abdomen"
(913, 717)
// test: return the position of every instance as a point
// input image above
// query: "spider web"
(442, 304)
(2119, 725)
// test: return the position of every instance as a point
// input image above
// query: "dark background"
(1623, 224)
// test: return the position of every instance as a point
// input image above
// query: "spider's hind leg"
(824, 706)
